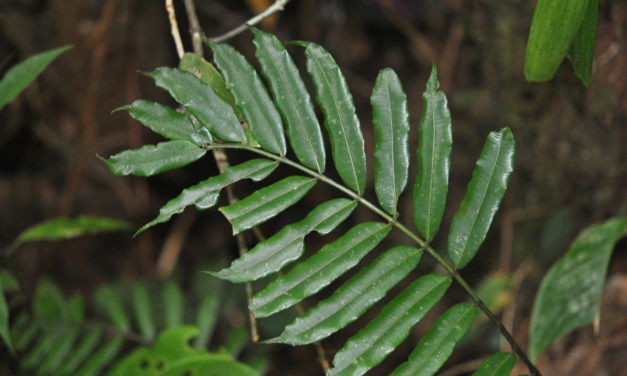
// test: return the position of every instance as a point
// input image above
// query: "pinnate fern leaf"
(292, 105)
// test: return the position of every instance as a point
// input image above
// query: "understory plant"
(231, 109)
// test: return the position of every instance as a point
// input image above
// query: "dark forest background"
(571, 168)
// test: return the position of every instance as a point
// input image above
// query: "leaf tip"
(432, 83)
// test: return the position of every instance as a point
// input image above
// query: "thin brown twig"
(276, 7)
(194, 27)
(174, 28)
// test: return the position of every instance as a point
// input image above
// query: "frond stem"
(421, 242)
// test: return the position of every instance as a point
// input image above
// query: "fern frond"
(292, 105)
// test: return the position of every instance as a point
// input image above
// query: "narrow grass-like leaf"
(312, 275)
(173, 304)
(150, 160)
(483, 196)
(69, 228)
(22, 74)
(165, 121)
(267, 202)
(391, 129)
(499, 364)
(111, 303)
(202, 102)
(353, 298)
(80, 352)
(42, 346)
(434, 159)
(437, 345)
(251, 97)
(206, 318)
(236, 341)
(207, 73)
(553, 28)
(581, 50)
(5, 334)
(288, 244)
(62, 347)
(570, 293)
(143, 310)
(101, 358)
(373, 343)
(23, 331)
(340, 119)
(206, 193)
(292, 99)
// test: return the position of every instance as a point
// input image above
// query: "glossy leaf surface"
(434, 159)
(353, 298)
(310, 276)
(340, 119)
(292, 100)
(581, 50)
(168, 123)
(570, 293)
(553, 28)
(206, 193)
(202, 102)
(267, 202)
(207, 73)
(252, 98)
(390, 118)
(437, 345)
(483, 196)
(150, 160)
(288, 244)
(499, 364)
(373, 343)
(21, 75)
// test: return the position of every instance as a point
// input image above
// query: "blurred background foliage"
(571, 165)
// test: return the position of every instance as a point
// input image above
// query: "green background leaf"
(570, 293)
(22, 74)
(499, 364)
(581, 50)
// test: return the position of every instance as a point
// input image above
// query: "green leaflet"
(165, 121)
(143, 310)
(437, 345)
(111, 303)
(173, 303)
(5, 334)
(252, 98)
(353, 298)
(81, 351)
(206, 193)
(68, 228)
(390, 118)
(581, 50)
(371, 345)
(206, 318)
(310, 276)
(292, 99)
(267, 202)
(22, 74)
(287, 244)
(48, 302)
(553, 28)
(101, 358)
(209, 366)
(150, 160)
(61, 348)
(499, 364)
(570, 293)
(236, 341)
(207, 73)
(434, 159)
(340, 119)
(8, 282)
(483, 196)
(202, 102)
